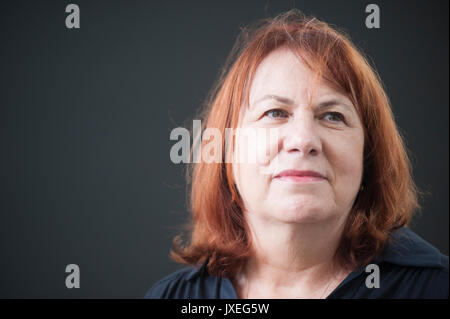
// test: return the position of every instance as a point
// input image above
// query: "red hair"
(218, 229)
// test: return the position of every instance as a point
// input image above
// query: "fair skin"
(296, 225)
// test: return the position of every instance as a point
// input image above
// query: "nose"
(301, 136)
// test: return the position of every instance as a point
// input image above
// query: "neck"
(287, 256)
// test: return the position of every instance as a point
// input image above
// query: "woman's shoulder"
(408, 268)
(407, 248)
(193, 282)
(171, 285)
(413, 268)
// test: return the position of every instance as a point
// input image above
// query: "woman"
(324, 215)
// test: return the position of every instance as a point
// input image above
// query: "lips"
(300, 176)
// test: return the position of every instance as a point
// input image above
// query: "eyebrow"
(323, 105)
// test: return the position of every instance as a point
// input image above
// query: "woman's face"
(325, 136)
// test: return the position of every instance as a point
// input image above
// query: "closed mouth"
(300, 176)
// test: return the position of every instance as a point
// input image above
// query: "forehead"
(283, 73)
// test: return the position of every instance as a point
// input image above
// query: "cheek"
(346, 159)
(256, 146)
(255, 154)
(267, 149)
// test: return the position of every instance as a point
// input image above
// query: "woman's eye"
(334, 117)
(276, 113)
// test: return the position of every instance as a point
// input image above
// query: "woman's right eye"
(276, 113)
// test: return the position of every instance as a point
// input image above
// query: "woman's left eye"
(334, 117)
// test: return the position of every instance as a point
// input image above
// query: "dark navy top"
(409, 267)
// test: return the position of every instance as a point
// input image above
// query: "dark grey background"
(85, 173)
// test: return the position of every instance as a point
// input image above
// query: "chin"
(302, 214)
